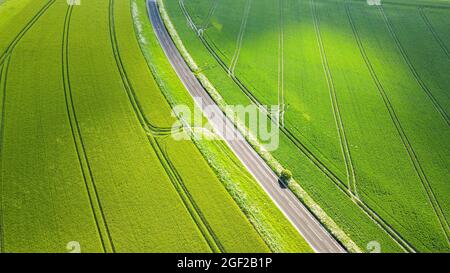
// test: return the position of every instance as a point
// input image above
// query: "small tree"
(286, 176)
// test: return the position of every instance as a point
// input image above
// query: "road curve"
(306, 224)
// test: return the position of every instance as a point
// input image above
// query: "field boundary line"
(406, 143)
(24, 30)
(351, 175)
(411, 67)
(3, 79)
(433, 31)
(386, 227)
(192, 209)
(96, 206)
(240, 39)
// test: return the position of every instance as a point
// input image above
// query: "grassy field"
(365, 89)
(86, 153)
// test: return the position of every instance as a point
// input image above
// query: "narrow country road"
(307, 225)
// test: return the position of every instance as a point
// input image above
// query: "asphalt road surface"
(306, 224)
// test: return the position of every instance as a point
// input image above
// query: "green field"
(86, 152)
(366, 94)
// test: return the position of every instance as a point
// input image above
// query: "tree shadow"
(282, 184)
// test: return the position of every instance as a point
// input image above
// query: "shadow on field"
(282, 184)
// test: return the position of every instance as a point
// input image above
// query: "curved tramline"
(433, 31)
(189, 202)
(43, 194)
(281, 96)
(145, 123)
(24, 30)
(413, 70)
(208, 232)
(99, 215)
(240, 38)
(412, 154)
(3, 77)
(207, 20)
(351, 176)
(375, 137)
(406, 142)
